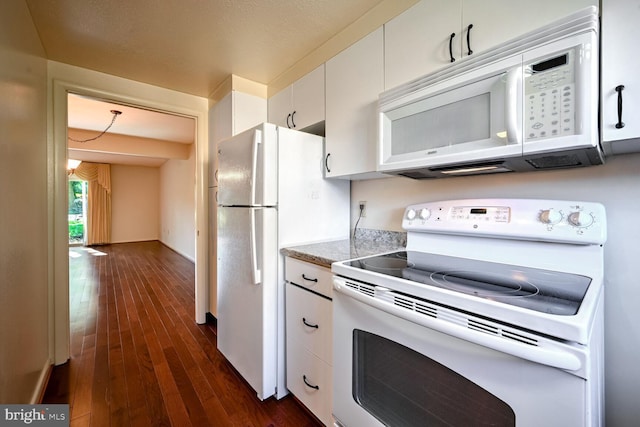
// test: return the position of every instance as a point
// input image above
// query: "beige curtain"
(98, 201)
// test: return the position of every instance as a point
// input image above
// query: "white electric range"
(493, 315)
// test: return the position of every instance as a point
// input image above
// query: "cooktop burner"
(541, 290)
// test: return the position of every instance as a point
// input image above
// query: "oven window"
(401, 387)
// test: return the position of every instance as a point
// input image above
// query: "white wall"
(24, 225)
(616, 185)
(135, 203)
(177, 220)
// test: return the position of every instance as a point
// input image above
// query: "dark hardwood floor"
(137, 356)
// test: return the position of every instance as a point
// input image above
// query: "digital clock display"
(481, 211)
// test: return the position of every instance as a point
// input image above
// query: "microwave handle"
(513, 105)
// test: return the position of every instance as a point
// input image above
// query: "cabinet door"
(248, 111)
(354, 79)
(620, 66)
(280, 107)
(497, 21)
(308, 99)
(301, 104)
(416, 42)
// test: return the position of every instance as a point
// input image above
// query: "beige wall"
(24, 312)
(616, 185)
(177, 219)
(135, 202)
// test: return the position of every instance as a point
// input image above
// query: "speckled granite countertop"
(367, 242)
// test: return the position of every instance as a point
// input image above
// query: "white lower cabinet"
(309, 378)
(309, 324)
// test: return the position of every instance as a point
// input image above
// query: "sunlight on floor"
(74, 253)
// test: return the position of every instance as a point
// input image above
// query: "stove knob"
(424, 213)
(411, 214)
(550, 216)
(580, 219)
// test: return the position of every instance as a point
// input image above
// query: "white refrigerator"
(271, 195)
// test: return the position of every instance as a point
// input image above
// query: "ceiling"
(190, 46)
(137, 136)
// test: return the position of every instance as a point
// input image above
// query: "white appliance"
(271, 194)
(529, 104)
(492, 316)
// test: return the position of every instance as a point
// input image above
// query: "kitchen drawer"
(306, 366)
(304, 310)
(310, 276)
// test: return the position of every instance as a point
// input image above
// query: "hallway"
(138, 358)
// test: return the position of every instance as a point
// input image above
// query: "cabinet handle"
(620, 123)
(309, 279)
(326, 162)
(315, 387)
(292, 122)
(288, 117)
(304, 320)
(468, 42)
(451, 47)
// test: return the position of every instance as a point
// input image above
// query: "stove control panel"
(525, 219)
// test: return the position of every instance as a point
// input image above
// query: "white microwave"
(530, 104)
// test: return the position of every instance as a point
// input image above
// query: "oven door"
(392, 371)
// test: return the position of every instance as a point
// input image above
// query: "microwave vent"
(556, 161)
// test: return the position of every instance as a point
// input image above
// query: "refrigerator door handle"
(256, 273)
(257, 139)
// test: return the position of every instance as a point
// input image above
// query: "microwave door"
(468, 123)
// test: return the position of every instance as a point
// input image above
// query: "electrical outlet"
(363, 208)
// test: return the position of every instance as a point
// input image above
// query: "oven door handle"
(556, 358)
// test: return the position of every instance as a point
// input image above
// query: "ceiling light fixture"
(115, 113)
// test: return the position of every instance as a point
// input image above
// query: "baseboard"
(178, 252)
(43, 380)
(134, 241)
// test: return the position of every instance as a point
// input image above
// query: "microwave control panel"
(549, 104)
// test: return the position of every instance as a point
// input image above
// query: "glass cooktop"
(540, 290)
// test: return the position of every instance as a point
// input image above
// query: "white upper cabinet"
(496, 21)
(301, 104)
(355, 78)
(416, 42)
(419, 41)
(620, 75)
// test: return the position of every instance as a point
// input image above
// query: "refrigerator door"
(247, 294)
(247, 168)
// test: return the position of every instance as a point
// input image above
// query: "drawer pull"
(309, 324)
(308, 279)
(315, 387)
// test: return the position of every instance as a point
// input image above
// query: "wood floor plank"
(137, 356)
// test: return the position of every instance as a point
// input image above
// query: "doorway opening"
(129, 94)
